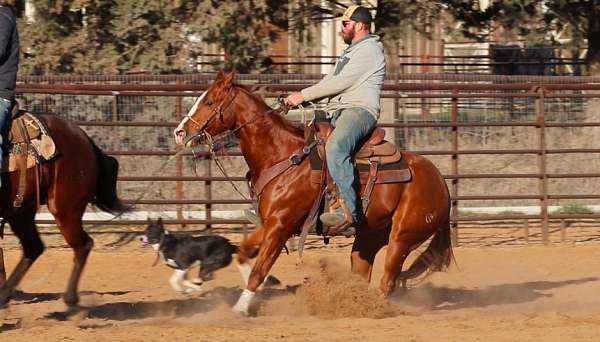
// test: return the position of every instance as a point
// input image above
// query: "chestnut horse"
(400, 215)
(81, 173)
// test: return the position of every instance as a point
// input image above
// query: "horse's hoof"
(71, 300)
(4, 298)
(240, 310)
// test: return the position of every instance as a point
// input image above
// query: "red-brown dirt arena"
(509, 293)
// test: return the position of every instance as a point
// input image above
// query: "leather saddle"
(377, 162)
(29, 144)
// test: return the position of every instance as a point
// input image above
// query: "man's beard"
(348, 36)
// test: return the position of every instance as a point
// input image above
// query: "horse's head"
(211, 113)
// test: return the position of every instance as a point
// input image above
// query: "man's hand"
(294, 99)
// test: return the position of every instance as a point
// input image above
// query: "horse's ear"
(220, 75)
(228, 78)
(159, 221)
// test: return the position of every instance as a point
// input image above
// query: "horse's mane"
(275, 120)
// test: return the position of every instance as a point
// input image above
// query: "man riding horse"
(352, 91)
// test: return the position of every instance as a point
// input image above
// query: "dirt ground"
(510, 293)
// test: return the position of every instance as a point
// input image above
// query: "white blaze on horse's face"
(179, 131)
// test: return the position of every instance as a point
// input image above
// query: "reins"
(210, 141)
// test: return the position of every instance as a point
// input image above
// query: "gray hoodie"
(356, 79)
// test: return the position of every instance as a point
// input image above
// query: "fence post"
(454, 166)
(179, 162)
(115, 108)
(396, 112)
(543, 180)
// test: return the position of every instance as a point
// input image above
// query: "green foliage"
(159, 36)
(574, 208)
(536, 20)
(241, 28)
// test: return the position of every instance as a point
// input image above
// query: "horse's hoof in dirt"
(240, 310)
(71, 300)
(4, 298)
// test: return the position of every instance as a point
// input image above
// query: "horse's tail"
(436, 257)
(105, 196)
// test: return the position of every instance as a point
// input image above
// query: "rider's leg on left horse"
(351, 125)
(5, 109)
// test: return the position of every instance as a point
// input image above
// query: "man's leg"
(5, 106)
(351, 126)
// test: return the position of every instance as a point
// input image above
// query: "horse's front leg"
(23, 226)
(247, 250)
(269, 250)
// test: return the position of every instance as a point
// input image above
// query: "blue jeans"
(5, 106)
(351, 126)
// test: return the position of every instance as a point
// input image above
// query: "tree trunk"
(592, 58)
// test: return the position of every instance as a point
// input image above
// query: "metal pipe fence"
(439, 118)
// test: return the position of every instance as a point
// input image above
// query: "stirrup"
(346, 228)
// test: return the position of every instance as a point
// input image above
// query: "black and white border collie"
(182, 252)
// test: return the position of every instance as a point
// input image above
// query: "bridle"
(220, 110)
(209, 140)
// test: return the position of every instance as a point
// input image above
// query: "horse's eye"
(209, 103)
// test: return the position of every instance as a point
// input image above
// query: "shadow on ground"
(184, 307)
(444, 298)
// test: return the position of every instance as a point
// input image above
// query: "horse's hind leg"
(70, 226)
(2, 268)
(396, 254)
(24, 228)
(365, 249)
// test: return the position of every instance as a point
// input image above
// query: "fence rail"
(456, 90)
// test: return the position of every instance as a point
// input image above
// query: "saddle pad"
(316, 163)
(383, 176)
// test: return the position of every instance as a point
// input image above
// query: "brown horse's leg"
(2, 268)
(365, 249)
(24, 228)
(268, 253)
(247, 250)
(249, 246)
(81, 243)
(396, 254)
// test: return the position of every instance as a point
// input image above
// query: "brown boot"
(347, 227)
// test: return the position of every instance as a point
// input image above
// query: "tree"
(243, 29)
(158, 36)
(536, 20)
